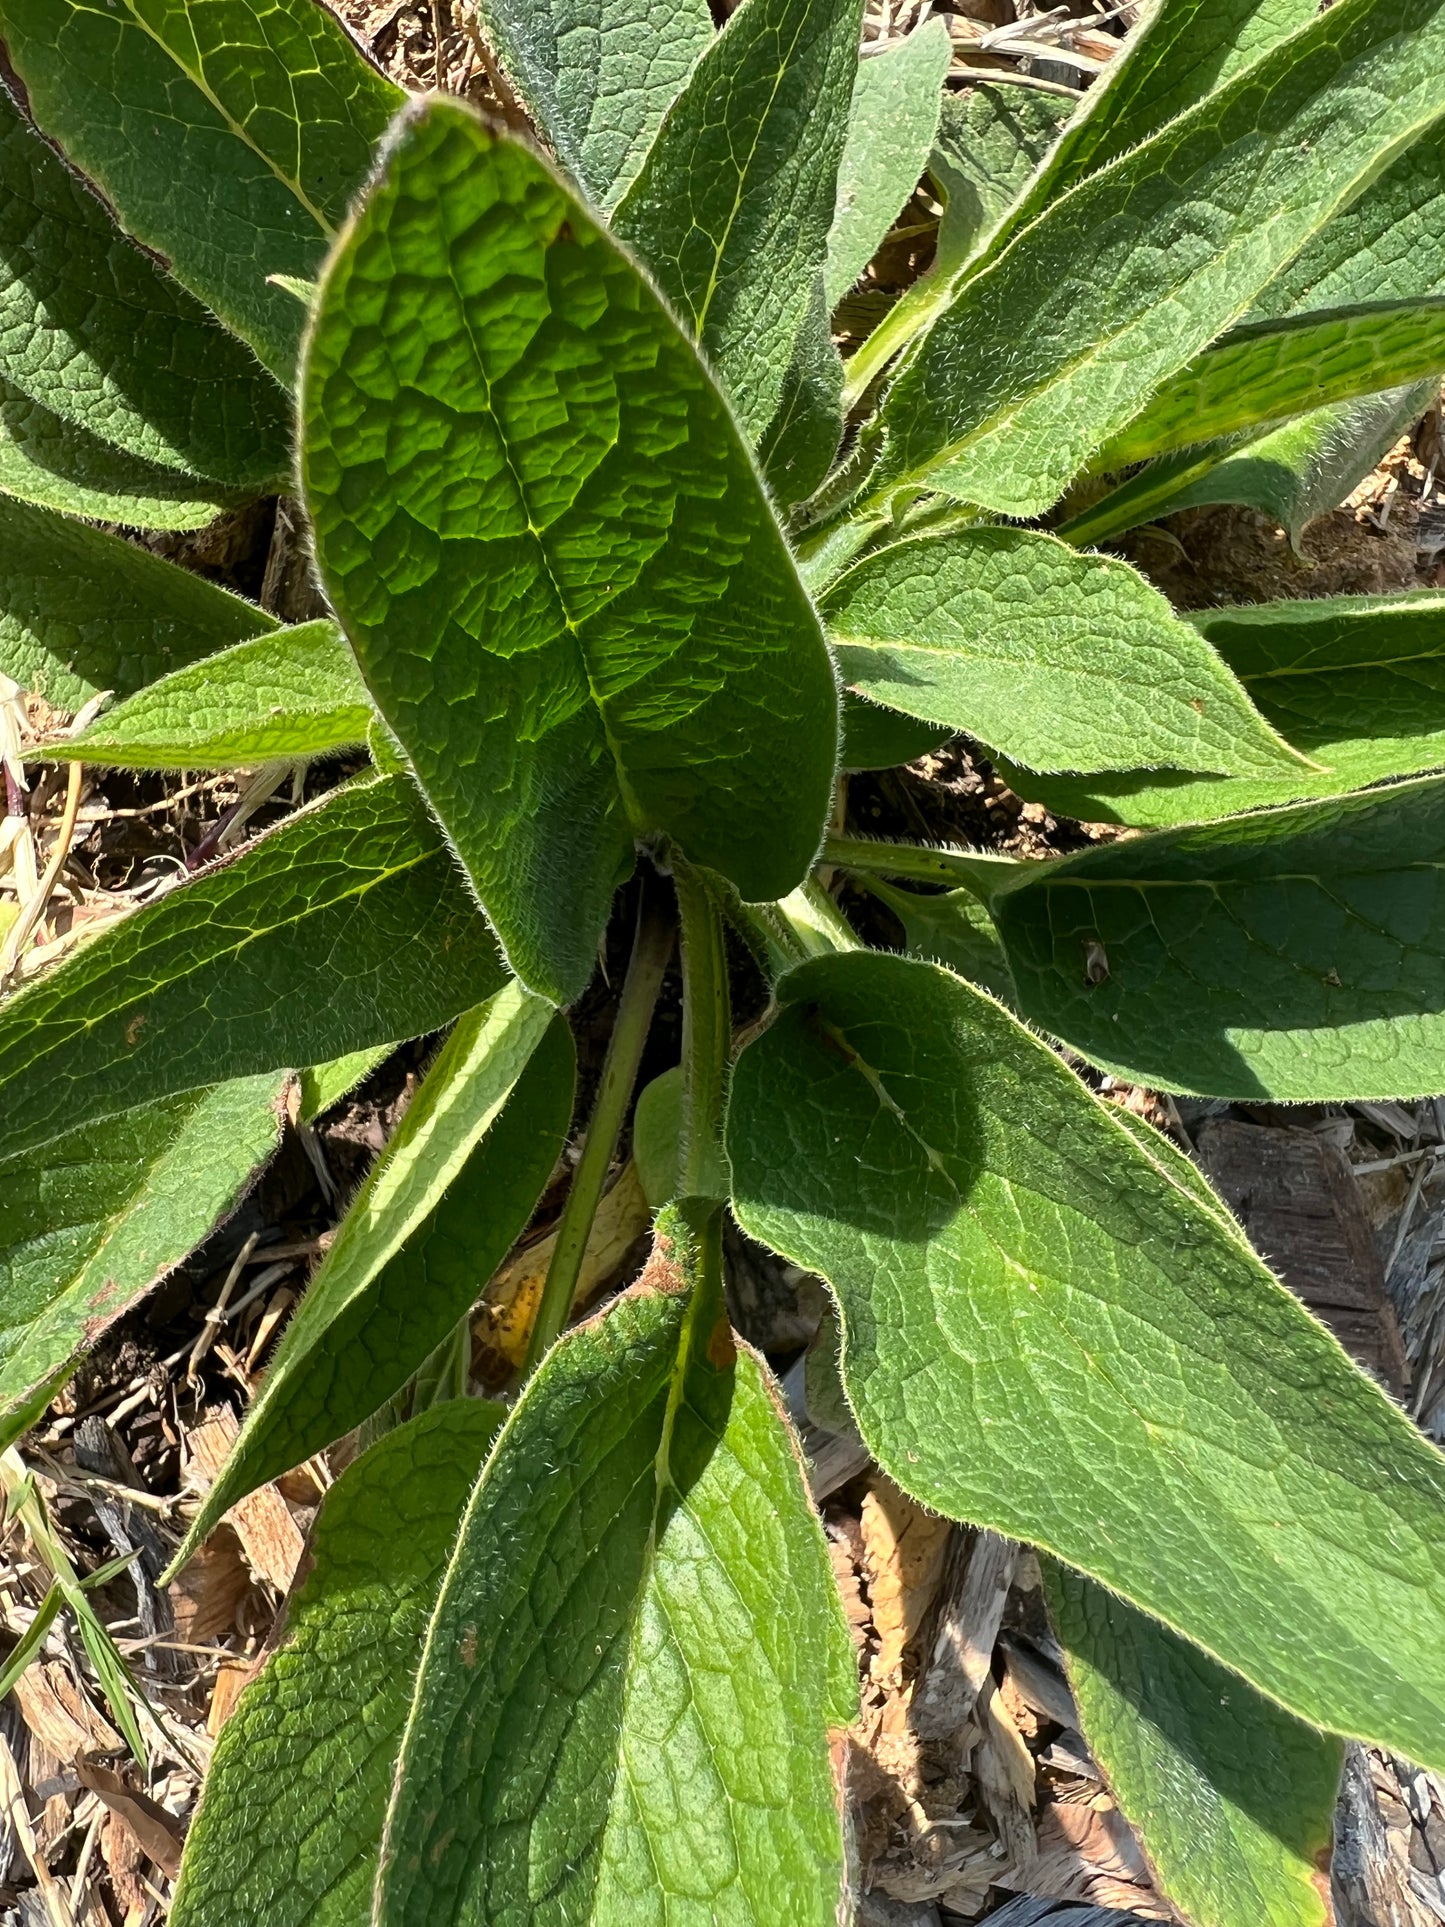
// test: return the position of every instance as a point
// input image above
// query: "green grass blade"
(92, 329)
(345, 926)
(583, 626)
(290, 1819)
(1060, 661)
(1295, 954)
(1045, 1333)
(647, 1470)
(292, 692)
(732, 208)
(438, 1212)
(1185, 232)
(1233, 1800)
(228, 139)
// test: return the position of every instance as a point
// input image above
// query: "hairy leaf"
(731, 208)
(91, 329)
(1184, 232)
(229, 139)
(292, 692)
(951, 928)
(91, 1221)
(897, 100)
(1046, 1334)
(81, 611)
(879, 738)
(323, 1085)
(438, 1212)
(290, 1820)
(345, 926)
(1355, 682)
(797, 449)
(663, 1754)
(990, 141)
(1272, 369)
(1233, 1799)
(1058, 660)
(565, 588)
(1295, 954)
(598, 76)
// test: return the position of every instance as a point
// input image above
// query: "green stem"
(975, 871)
(706, 1036)
(651, 949)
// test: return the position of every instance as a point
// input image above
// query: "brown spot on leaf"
(1096, 961)
(662, 1272)
(721, 1351)
(1196, 703)
(440, 1845)
(469, 1648)
(134, 1027)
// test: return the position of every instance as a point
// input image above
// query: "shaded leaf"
(92, 329)
(990, 141)
(953, 928)
(731, 208)
(1044, 1333)
(878, 738)
(663, 1754)
(289, 1824)
(1184, 233)
(1058, 660)
(345, 926)
(1295, 954)
(292, 692)
(657, 1137)
(1233, 1799)
(598, 76)
(582, 624)
(897, 100)
(1355, 682)
(93, 1220)
(323, 1085)
(228, 139)
(797, 449)
(81, 612)
(438, 1212)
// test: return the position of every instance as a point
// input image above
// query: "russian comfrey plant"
(603, 524)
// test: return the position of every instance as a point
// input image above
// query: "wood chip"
(270, 1538)
(233, 1676)
(903, 1556)
(963, 1644)
(17, 1815)
(160, 1834)
(206, 1593)
(59, 1714)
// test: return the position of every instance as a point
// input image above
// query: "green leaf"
(661, 1754)
(657, 1137)
(879, 738)
(953, 928)
(897, 100)
(323, 1085)
(289, 1824)
(56, 464)
(1272, 369)
(292, 692)
(91, 329)
(90, 1222)
(797, 449)
(345, 926)
(1233, 1799)
(228, 139)
(1058, 660)
(439, 1210)
(1355, 682)
(1045, 1334)
(582, 624)
(1184, 233)
(1295, 954)
(990, 141)
(598, 76)
(81, 612)
(731, 208)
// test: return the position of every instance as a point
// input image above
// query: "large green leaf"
(1355, 682)
(732, 207)
(346, 926)
(289, 1824)
(623, 1706)
(292, 692)
(92, 329)
(951, 927)
(1272, 369)
(81, 611)
(1060, 661)
(91, 1221)
(1183, 232)
(1298, 953)
(438, 1212)
(897, 100)
(1233, 1799)
(598, 76)
(1046, 1334)
(550, 551)
(879, 738)
(57, 464)
(797, 449)
(228, 138)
